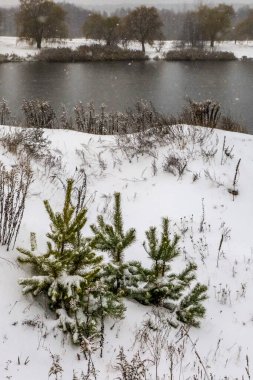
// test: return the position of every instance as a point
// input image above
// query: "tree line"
(38, 20)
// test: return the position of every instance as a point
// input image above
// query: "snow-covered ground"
(11, 45)
(224, 340)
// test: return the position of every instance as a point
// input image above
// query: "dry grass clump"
(228, 124)
(14, 185)
(39, 114)
(140, 118)
(29, 141)
(208, 114)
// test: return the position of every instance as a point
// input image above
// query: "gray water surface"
(120, 84)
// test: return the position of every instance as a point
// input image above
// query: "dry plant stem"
(220, 245)
(81, 190)
(223, 149)
(14, 187)
(153, 336)
(202, 222)
(235, 177)
(4, 113)
(247, 367)
(186, 333)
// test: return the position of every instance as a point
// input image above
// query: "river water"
(120, 84)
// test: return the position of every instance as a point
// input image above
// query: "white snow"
(11, 45)
(225, 337)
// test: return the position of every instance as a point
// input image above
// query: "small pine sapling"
(113, 239)
(69, 274)
(165, 288)
(161, 252)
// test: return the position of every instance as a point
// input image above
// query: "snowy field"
(11, 45)
(223, 345)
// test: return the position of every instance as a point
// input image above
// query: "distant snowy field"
(224, 339)
(11, 45)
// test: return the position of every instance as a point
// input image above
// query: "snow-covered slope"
(11, 45)
(224, 339)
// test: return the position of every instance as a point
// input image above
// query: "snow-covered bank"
(11, 45)
(224, 338)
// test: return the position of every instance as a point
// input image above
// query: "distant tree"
(244, 30)
(92, 27)
(111, 30)
(102, 27)
(192, 32)
(40, 19)
(215, 21)
(1, 23)
(144, 25)
(172, 24)
(7, 22)
(75, 18)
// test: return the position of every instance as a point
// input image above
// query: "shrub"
(4, 58)
(91, 53)
(31, 141)
(228, 124)
(141, 118)
(5, 113)
(206, 113)
(107, 53)
(38, 114)
(174, 165)
(198, 55)
(62, 54)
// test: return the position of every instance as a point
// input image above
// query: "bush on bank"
(93, 53)
(199, 55)
(4, 58)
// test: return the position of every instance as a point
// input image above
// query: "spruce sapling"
(164, 288)
(113, 239)
(69, 273)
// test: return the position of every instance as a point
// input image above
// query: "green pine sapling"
(70, 274)
(112, 239)
(165, 288)
(190, 309)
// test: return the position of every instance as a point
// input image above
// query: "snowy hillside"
(216, 232)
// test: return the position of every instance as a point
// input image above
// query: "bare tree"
(40, 19)
(144, 25)
(215, 21)
(101, 27)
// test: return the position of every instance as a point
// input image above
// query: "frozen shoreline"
(11, 45)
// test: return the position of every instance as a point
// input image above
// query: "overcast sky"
(105, 3)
